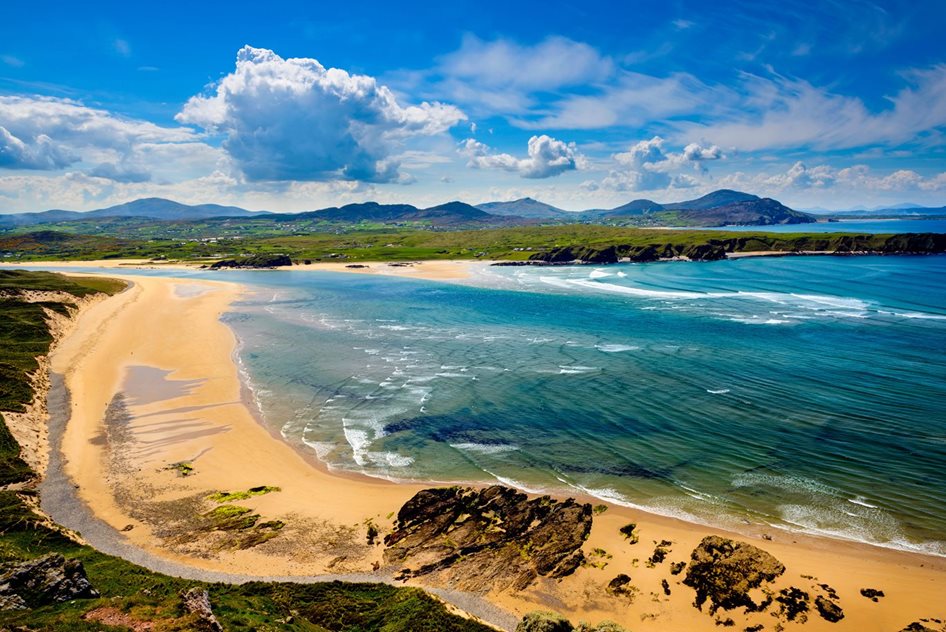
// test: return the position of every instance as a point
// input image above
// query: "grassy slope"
(24, 336)
(142, 594)
(372, 244)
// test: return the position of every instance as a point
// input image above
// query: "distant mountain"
(524, 207)
(445, 214)
(635, 207)
(752, 212)
(724, 207)
(152, 208)
(713, 200)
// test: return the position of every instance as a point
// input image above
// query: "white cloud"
(856, 179)
(505, 77)
(552, 63)
(45, 133)
(293, 119)
(646, 166)
(631, 100)
(38, 152)
(781, 113)
(547, 157)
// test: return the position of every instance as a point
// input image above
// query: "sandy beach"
(156, 394)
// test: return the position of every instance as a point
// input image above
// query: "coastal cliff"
(713, 249)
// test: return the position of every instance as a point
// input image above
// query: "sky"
(297, 106)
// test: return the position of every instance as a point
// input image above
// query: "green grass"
(226, 497)
(372, 243)
(155, 597)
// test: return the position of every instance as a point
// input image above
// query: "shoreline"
(801, 553)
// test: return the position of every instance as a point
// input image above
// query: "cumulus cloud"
(39, 152)
(547, 157)
(45, 133)
(824, 178)
(647, 166)
(294, 119)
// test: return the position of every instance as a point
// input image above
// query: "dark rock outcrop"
(253, 261)
(872, 593)
(45, 580)
(725, 571)
(489, 538)
(196, 601)
(828, 610)
(618, 585)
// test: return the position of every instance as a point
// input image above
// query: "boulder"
(725, 571)
(479, 539)
(196, 601)
(253, 261)
(45, 580)
(828, 610)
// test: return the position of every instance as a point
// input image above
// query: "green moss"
(226, 497)
(229, 518)
(183, 468)
(599, 509)
(629, 531)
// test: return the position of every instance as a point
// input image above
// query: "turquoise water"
(805, 393)
(850, 226)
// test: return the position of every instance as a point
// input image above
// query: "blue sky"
(295, 106)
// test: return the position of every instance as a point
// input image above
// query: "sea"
(870, 226)
(803, 393)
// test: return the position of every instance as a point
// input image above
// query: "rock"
(544, 622)
(666, 586)
(488, 538)
(677, 567)
(617, 586)
(724, 571)
(872, 593)
(794, 603)
(197, 601)
(920, 626)
(604, 626)
(660, 554)
(12, 602)
(828, 610)
(253, 261)
(45, 580)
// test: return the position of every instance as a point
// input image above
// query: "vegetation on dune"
(131, 596)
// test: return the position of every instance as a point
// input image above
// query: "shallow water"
(802, 392)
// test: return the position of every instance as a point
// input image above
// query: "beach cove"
(185, 404)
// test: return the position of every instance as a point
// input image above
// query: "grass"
(145, 596)
(24, 335)
(227, 497)
(386, 243)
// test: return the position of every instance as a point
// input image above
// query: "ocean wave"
(717, 391)
(616, 348)
(485, 448)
